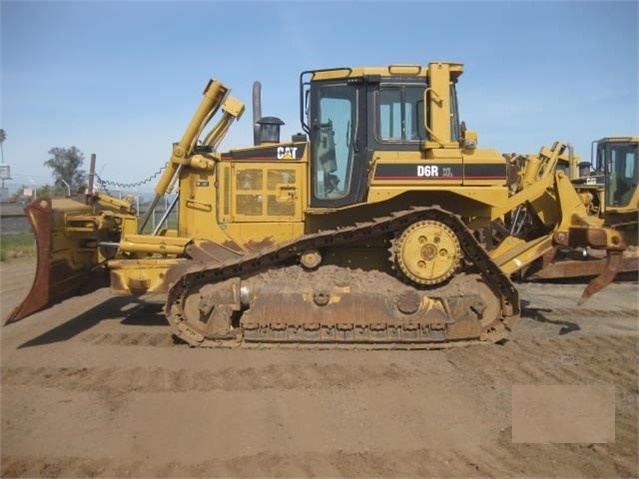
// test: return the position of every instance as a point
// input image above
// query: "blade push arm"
(215, 95)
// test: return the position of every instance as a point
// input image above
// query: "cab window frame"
(416, 117)
(356, 169)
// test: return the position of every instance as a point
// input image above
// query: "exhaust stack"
(257, 111)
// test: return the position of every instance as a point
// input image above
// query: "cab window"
(400, 114)
(623, 176)
(334, 148)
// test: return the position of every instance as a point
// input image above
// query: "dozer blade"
(67, 255)
(614, 264)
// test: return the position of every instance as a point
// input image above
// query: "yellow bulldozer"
(609, 186)
(382, 223)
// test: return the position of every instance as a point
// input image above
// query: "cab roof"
(619, 139)
(396, 70)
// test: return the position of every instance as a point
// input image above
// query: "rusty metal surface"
(548, 257)
(41, 218)
(582, 236)
(582, 268)
(619, 258)
(591, 236)
(357, 317)
(212, 252)
(293, 305)
(613, 266)
(55, 279)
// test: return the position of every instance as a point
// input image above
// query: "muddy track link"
(403, 335)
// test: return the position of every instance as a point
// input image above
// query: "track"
(451, 317)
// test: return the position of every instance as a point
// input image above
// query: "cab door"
(622, 176)
(338, 160)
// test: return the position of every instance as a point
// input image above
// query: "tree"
(65, 167)
(46, 190)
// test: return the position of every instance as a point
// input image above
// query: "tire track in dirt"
(553, 361)
(159, 339)
(586, 313)
(159, 379)
(417, 463)
(507, 461)
(550, 361)
(576, 360)
(493, 460)
(582, 460)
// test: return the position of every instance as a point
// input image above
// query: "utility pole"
(5, 170)
(92, 175)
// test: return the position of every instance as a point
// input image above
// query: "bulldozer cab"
(617, 160)
(352, 114)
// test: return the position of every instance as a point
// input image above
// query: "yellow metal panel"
(483, 155)
(514, 253)
(255, 236)
(224, 194)
(198, 204)
(454, 155)
(140, 276)
(615, 139)
(484, 167)
(153, 244)
(267, 191)
(492, 197)
(233, 106)
(438, 95)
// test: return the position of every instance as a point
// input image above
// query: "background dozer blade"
(66, 243)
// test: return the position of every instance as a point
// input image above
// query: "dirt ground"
(95, 387)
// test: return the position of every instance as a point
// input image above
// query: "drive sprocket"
(427, 252)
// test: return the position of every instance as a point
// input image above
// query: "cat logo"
(287, 152)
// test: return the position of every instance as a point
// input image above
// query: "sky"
(121, 79)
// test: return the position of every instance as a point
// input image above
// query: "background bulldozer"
(609, 187)
(382, 223)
